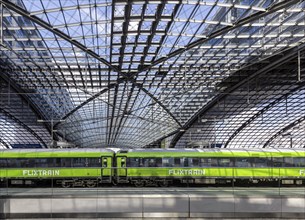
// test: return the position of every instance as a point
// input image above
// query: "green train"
(152, 167)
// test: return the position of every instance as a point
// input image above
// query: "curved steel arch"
(55, 31)
(98, 134)
(275, 60)
(247, 20)
(4, 143)
(22, 124)
(66, 37)
(291, 125)
(266, 108)
(89, 100)
(72, 131)
(22, 95)
(158, 102)
(120, 80)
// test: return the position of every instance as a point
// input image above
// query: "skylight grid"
(151, 64)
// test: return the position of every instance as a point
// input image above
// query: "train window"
(174, 162)
(168, 162)
(243, 162)
(105, 162)
(141, 163)
(277, 161)
(288, 162)
(123, 162)
(44, 162)
(177, 162)
(193, 162)
(149, 162)
(80, 162)
(225, 162)
(299, 161)
(208, 162)
(64, 162)
(11, 163)
(94, 162)
(185, 162)
(214, 162)
(158, 162)
(41, 162)
(3, 163)
(128, 162)
(24, 162)
(57, 162)
(261, 162)
(133, 162)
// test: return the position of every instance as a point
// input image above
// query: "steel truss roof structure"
(98, 73)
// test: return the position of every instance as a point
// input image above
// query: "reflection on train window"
(158, 162)
(174, 162)
(299, 161)
(288, 162)
(3, 163)
(94, 162)
(193, 162)
(44, 162)
(168, 161)
(277, 162)
(21, 163)
(149, 162)
(208, 162)
(258, 162)
(133, 162)
(64, 162)
(226, 162)
(49, 162)
(243, 162)
(261, 162)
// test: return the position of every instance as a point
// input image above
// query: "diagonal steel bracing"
(66, 37)
(247, 20)
(4, 143)
(42, 23)
(22, 124)
(283, 130)
(276, 61)
(261, 112)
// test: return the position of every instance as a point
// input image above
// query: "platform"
(152, 202)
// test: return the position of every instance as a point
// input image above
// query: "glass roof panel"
(149, 66)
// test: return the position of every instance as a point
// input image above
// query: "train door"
(106, 170)
(122, 169)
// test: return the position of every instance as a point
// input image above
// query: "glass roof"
(101, 73)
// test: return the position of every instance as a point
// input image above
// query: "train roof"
(183, 150)
(72, 152)
(59, 150)
(275, 152)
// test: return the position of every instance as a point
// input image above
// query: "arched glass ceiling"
(18, 122)
(266, 111)
(129, 73)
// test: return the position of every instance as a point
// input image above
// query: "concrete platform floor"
(151, 203)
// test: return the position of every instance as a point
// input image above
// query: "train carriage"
(88, 167)
(211, 166)
(67, 167)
